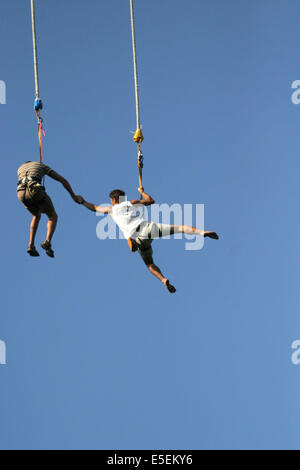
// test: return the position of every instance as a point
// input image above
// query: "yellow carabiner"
(138, 136)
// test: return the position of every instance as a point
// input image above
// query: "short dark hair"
(116, 194)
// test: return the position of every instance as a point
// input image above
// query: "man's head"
(117, 196)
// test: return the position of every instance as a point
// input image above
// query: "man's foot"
(170, 288)
(47, 247)
(213, 235)
(32, 251)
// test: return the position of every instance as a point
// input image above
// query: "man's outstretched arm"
(95, 208)
(66, 185)
(147, 199)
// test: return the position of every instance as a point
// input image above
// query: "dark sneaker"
(170, 288)
(47, 247)
(213, 235)
(32, 251)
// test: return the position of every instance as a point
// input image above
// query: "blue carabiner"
(38, 104)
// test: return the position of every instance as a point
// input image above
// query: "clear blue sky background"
(99, 355)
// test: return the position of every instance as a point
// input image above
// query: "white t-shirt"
(128, 217)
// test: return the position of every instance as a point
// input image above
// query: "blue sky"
(99, 355)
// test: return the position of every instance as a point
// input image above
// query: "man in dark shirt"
(32, 194)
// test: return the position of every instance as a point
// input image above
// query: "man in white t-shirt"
(129, 216)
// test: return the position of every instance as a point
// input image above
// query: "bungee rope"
(138, 136)
(38, 104)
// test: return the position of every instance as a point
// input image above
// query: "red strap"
(41, 133)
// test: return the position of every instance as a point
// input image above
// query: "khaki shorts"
(36, 200)
(145, 236)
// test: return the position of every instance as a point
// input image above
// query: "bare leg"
(191, 230)
(33, 229)
(157, 273)
(51, 226)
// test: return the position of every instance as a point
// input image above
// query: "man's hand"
(78, 199)
(145, 200)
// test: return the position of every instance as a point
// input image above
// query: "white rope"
(135, 67)
(35, 61)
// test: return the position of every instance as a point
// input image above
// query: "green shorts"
(147, 233)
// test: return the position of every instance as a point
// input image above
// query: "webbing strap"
(41, 133)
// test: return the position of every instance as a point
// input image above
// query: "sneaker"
(47, 247)
(32, 251)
